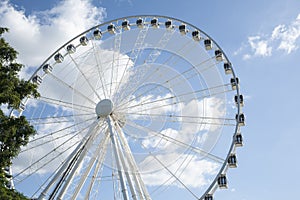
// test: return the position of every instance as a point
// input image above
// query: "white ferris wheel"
(141, 107)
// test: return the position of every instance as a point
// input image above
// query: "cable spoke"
(63, 129)
(177, 142)
(56, 138)
(66, 104)
(99, 66)
(168, 81)
(168, 170)
(86, 79)
(71, 87)
(148, 101)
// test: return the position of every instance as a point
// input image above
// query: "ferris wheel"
(140, 107)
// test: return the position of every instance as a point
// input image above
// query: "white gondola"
(83, 40)
(154, 23)
(140, 23)
(126, 25)
(71, 48)
(208, 197)
(58, 58)
(238, 140)
(97, 34)
(47, 68)
(234, 83)
(169, 25)
(21, 107)
(37, 79)
(239, 99)
(227, 68)
(219, 55)
(232, 161)
(208, 44)
(111, 29)
(182, 29)
(222, 181)
(196, 35)
(240, 119)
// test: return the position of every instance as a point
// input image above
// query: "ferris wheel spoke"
(149, 101)
(172, 174)
(67, 116)
(170, 82)
(56, 138)
(180, 117)
(182, 166)
(42, 158)
(99, 66)
(152, 57)
(71, 88)
(66, 104)
(86, 79)
(179, 143)
(47, 180)
(60, 130)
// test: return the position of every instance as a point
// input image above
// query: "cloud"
(196, 171)
(260, 46)
(37, 35)
(284, 37)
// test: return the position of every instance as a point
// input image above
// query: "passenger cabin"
(58, 58)
(169, 25)
(47, 68)
(111, 29)
(97, 34)
(154, 23)
(219, 55)
(140, 23)
(83, 40)
(21, 107)
(227, 68)
(196, 35)
(222, 181)
(208, 197)
(182, 29)
(238, 141)
(240, 119)
(208, 44)
(239, 99)
(37, 79)
(71, 48)
(126, 25)
(234, 83)
(232, 161)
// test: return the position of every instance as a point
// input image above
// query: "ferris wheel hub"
(104, 108)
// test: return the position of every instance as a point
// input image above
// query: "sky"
(261, 38)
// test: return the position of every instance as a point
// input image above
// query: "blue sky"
(261, 38)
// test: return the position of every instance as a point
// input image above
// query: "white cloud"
(260, 46)
(39, 34)
(193, 172)
(284, 37)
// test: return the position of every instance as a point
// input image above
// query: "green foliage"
(10, 194)
(14, 131)
(12, 89)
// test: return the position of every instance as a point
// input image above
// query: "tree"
(14, 131)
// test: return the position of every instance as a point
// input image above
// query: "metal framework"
(128, 99)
